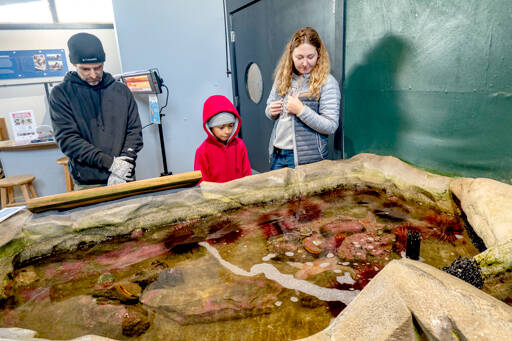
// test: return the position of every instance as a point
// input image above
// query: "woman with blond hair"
(304, 102)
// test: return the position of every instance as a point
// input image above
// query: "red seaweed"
(304, 210)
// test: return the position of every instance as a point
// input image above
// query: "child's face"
(223, 132)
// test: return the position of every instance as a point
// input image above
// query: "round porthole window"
(254, 82)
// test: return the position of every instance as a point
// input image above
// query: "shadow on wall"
(374, 113)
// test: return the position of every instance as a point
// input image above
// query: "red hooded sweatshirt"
(220, 162)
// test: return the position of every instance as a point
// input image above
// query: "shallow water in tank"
(275, 271)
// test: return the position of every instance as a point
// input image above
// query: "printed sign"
(154, 110)
(23, 126)
(32, 63)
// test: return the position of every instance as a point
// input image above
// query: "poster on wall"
(23, 126)
(18, 64)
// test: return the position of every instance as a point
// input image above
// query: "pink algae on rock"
(358, 246)
(314, 244)
(350, 226)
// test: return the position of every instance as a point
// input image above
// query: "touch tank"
(282, 255)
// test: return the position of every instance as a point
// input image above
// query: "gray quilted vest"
(311, 146)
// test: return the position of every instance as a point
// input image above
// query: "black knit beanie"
(85, 48)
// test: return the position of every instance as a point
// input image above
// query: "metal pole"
(162, 147)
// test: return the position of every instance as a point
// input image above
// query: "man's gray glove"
(122, 168)
(114, 180)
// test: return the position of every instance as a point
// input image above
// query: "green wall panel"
(430, 82)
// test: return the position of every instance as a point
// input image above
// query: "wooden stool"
(69, 180)
(7, 189)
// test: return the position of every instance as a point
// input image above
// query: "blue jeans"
(282, 158)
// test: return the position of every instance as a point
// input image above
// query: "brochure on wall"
(23, 126)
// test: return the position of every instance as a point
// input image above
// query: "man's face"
(90, 73)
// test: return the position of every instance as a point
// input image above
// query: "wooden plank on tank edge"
(101, 194)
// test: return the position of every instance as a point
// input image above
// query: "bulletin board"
(19, 64)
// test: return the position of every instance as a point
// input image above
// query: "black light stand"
(152, 83)
(162, 147)
(160, 130)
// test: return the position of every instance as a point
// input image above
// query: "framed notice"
(23, 126)
(18, 64)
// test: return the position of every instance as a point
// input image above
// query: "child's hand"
(295, 106)
(276, 108)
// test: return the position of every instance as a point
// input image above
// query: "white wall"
(184, 39)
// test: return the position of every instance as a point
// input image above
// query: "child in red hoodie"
(222, 156)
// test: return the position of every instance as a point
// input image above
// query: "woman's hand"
(276, 108)
(295, 106)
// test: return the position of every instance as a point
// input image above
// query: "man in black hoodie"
(95, 118)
